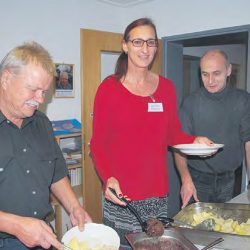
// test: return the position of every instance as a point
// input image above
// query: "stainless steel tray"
(203, 238)
(239, 212)
(172, 237)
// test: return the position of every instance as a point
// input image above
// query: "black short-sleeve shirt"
(30, 161)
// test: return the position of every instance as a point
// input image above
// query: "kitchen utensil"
(238, 212)
(171, 239)
(212, 244)
(65, 247)
(169, 221)
(132, 209)
(207, 224)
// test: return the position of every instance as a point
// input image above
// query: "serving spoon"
(143, 224)
(153, 227)
(212, 244)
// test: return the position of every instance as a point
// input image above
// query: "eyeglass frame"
(144, 41)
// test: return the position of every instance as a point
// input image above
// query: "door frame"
(92, 44)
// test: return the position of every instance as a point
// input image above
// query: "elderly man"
(64, 81)
(31, 163)
(221, 113)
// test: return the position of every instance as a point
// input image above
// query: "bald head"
(216, 53)
(215, 68)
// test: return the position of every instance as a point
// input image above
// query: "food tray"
(172, 238)
(239, 212)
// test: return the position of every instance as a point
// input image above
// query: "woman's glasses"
(138, 42)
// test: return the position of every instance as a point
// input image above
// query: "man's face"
(214, 72)
(64, 79)
(24, 92)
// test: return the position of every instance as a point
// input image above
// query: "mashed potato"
(75, 244)
(223, 225)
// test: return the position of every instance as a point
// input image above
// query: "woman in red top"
(135, 120)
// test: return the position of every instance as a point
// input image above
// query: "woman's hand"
(113, 183)
(204, 140)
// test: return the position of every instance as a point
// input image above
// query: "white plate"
(198, 149)
(94, 235)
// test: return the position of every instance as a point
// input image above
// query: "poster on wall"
(64, 80)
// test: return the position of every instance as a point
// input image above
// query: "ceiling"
(124, 3)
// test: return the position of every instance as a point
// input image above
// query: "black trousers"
(220, 187)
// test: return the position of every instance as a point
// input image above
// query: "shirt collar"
(25, 120)
(2, 118)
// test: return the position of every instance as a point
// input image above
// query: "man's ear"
(5, 79)
(229, 70)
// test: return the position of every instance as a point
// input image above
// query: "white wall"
(56, 25)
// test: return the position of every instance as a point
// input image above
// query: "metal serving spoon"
(207, 224)
(212, 244)
(170, 221)
(153, 227)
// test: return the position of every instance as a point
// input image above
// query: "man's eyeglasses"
(138, 42)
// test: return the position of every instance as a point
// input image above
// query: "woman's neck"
(143, 83)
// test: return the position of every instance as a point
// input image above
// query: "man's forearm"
(8, 223)
(65, 194)
(181, 164)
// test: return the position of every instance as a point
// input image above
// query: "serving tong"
(212, 244)
(65, 247)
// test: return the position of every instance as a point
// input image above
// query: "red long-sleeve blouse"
(130, 143)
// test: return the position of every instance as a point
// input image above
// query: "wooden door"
(93, 43)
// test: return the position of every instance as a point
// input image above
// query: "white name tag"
(155, 107)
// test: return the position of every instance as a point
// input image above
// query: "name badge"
(155, 107)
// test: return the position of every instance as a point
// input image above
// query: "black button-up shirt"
(30, 161)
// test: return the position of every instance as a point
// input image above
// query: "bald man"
(221, 113)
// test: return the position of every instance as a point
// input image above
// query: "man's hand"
(33, 232)
(188, 191)
(79, 217)
(65, 194)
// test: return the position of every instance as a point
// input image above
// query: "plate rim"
(116, 238)
(201, 150)
(212, 147)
